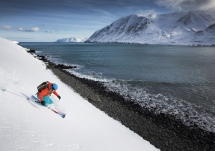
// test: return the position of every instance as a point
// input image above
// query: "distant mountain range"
(72, 39)
(179, 28)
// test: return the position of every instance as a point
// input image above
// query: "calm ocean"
(176, 80)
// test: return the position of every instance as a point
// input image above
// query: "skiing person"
(44, 94)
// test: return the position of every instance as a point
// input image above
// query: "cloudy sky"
(49, 20)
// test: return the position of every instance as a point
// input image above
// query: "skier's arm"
(55, 93)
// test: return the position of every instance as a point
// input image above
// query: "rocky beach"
(164, 131)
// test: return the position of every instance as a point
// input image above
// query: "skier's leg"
(47, 100)
(42, 102)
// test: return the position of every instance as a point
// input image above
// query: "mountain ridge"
(72, 40)
(178, 28)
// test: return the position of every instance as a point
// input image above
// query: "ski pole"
(14, 93)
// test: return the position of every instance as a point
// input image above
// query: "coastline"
(163, 131)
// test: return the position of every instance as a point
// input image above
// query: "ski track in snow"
(10, 130)
(27, 126)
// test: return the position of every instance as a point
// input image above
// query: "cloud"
(20, 29)
(102, 11)
(10, 28)
(187, 5)
(33, 29)
(145, 12)
(6, 27)
(47, 31)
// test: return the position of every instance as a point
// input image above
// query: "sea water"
(176, 80)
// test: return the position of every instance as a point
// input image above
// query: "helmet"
(54, 86)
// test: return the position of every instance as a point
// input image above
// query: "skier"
(44, 94)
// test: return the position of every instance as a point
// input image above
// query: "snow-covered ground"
(72, 39)
(25, 125)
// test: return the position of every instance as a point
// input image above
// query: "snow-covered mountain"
(178, 28)
(205, 37)
(25, 125)
(72, 39)
(196, 19)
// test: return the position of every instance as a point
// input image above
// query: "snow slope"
(25, 125)
(72, 39)
(178, 28)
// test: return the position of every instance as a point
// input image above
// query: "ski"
(35, 99)
(57, 112)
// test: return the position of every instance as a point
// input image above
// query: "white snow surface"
(179, 28)
(25, 125)
(72, 39)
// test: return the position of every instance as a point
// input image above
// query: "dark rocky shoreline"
(163, 131)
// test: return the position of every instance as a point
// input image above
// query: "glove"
(59, 97)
